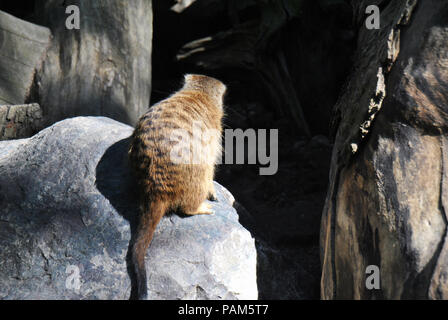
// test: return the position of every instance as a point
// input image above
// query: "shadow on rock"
(115, 180)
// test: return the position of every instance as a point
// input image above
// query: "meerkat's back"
(173, 152)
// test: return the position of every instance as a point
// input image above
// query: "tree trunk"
(102, 68)
(22, 48)
(388, 192)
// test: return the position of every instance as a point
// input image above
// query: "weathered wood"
(388, 194)
(104, 68)
(20, 121)
(22, 49)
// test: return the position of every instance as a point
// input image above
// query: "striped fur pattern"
(163, 183)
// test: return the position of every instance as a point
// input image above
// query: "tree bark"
(20, 121)
(104, 68)
(387, 198)
(22, 49)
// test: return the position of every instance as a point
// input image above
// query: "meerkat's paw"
(212, 196)
(212, 192)
(204, 208)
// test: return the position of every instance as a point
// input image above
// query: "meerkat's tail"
(149, 219)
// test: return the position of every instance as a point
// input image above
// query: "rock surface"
(387, 198)
(67, 208)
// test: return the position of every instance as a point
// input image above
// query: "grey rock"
(67, 210)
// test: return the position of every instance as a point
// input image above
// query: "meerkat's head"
(213, 87)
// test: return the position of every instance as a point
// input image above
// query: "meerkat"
(165, 183)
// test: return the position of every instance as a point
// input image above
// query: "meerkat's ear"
(222, 89)
(190, 77)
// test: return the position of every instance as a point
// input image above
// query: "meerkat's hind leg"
(204, 208)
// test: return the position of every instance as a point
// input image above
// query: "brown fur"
(163, 184)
